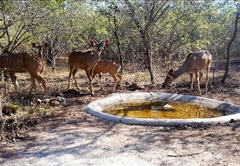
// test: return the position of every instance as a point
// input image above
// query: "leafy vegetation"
(142, 33)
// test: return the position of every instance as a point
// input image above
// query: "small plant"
(38, 109)
(31, 111)
(15, 106)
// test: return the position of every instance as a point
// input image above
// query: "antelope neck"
(180, 71)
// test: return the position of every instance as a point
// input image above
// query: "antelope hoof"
(92, 94)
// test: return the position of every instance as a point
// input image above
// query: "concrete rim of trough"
(95, 108)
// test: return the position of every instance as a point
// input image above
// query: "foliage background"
(144, 34)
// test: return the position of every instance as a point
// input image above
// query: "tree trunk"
(119, 51)
(229, 48)
(1, 116)
(148, 63)
(151, 69)
(115, 30)
(50, 58)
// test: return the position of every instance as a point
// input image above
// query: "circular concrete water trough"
(95, 108)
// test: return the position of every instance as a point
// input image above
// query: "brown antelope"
(23, 62)
(85, 60)
(108, 67)
(194, 64)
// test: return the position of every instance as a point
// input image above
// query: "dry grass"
(57, 80)
(57, 84)
(212, 145)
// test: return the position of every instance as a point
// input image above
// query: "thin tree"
(115, 29)
(230, 43)
(152, 12)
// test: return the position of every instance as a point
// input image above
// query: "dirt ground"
(61, 133)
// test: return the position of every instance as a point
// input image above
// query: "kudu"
(85, 60)
(108, 67)
(194, 64)
(23, 62)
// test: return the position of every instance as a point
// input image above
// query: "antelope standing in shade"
(108, 67)
(12, 74)
(85, 60)
(194, 64)
(23, 62)
(41, 66)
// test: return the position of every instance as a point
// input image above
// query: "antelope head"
(100, 45)
(40, 49)
(169, 79)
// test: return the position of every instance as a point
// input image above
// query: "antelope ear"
(107, 42)
(171, 73)
(189, 54)
(91, 42)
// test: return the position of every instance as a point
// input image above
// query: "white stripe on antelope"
(23, 62)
